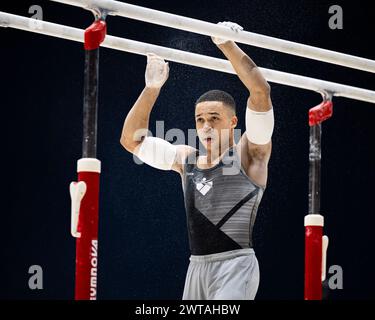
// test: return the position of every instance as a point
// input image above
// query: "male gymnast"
(222, 186)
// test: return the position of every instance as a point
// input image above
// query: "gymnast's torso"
(221, 204)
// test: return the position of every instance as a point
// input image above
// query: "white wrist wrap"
(157, 153)
(259, 126)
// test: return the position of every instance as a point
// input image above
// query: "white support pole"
(210, 29)
(69, 33)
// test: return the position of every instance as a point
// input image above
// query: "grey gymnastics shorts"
(230, 275)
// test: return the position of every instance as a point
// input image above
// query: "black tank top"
(221, 205)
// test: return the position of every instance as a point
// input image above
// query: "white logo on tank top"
(204, 186)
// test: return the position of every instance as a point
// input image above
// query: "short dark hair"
(218, 95)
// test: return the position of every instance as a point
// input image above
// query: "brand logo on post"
(94, 265)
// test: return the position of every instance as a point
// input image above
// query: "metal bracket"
(326, 95)
(99, 14)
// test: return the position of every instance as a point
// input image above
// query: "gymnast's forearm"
(137, 121)
(245, 68)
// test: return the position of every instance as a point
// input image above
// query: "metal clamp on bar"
(77, 191)
(95, 34)
(322, 111)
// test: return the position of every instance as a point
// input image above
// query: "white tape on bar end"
(324, 256)
(314, 220)
(88, 165)
(77, 191)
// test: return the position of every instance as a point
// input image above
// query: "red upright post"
(315, 243)
(85, 192)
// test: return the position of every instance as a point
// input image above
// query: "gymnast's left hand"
(234, 26)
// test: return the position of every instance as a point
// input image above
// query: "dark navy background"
(143, 248)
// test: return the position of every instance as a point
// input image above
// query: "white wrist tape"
(259, 126)
(157, 153)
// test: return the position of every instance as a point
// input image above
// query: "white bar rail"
(198, 60)
(211, 29)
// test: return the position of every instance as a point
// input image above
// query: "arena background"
(143, 248)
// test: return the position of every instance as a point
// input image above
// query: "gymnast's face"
(215, 123)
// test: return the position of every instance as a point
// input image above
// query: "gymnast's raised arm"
(154, 151)
(256, 141)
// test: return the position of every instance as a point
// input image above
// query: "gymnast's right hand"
(157, 71)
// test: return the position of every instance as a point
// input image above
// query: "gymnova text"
(188, 309)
